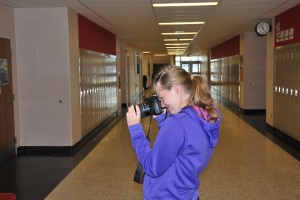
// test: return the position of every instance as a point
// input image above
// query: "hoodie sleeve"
(139, 142)
(168, 143)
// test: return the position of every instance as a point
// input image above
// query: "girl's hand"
(133, 115)
(164, 112)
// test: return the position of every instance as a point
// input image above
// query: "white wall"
(118, 63)
(148, 60)
(44, 82)
(167, 60)
(253, 88)
(270, 76)
(7, 30)
(74, 76)
(131, 83)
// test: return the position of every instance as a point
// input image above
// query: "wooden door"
(7, 133)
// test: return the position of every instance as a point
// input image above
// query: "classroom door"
(7, 128)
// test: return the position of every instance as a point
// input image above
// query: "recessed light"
(180, 23)
(160, 54)
(176, 47)
(185, 4)
(180, 33)
(177, 44)
(175, 50)
(186, 39)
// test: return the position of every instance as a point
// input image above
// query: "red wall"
(229, 48)
(287, 27)
(95, 38)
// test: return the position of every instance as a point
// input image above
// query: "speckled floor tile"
(246, 165)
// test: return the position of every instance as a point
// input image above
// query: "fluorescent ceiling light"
(146, 51)
(185, 4)
(180, 23)
(176, 47)
(173, 50)
(178, 39)
(160, 54)
(185, 39)
(180, 33)
(177, 44)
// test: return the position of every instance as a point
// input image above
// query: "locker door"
(291, 90)
(278, 88)
(295, 99)
(287, 85)
(283, 107)
(275, 88)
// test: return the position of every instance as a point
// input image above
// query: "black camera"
(151, 106)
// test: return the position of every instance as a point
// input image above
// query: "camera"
(151, 106)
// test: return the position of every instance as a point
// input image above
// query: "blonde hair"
(195, 86)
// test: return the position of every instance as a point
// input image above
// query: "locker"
(286, 90)
(98, 80)
(295, 103)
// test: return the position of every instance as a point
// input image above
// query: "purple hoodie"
(183, 148)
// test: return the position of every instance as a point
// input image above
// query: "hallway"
(246, 165)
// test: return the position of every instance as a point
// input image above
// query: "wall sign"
(3, 72)
(287, 27)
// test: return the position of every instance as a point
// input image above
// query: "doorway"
(7, 127)
(193, 67)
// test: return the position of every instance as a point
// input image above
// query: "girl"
(186, 139)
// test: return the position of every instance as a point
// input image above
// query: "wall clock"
(262, 28)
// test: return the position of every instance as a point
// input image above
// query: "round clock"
(262, 28)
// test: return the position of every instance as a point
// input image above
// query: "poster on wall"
(3, 72)
(137, 63)
(291, 33)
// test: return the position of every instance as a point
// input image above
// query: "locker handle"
(287, 91)
(275, 88)
(279, 89)
(291, 92)
(296, 93)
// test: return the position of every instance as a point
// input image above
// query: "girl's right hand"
(133, 115)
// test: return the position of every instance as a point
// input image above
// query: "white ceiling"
(136, 21)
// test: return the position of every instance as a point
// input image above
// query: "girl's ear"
(177, 88)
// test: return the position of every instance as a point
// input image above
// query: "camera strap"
(151, 116)
(148, 134)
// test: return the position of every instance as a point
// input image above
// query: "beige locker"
(98, 88)
(286, 90)
(294, 95)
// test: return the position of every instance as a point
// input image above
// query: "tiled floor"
(246, 165)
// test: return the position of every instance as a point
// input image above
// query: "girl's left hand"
(133, 115)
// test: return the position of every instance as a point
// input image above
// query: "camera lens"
(151, 106)
(145, 110)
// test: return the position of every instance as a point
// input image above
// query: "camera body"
(151, 106)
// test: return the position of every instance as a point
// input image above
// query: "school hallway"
(248, 163)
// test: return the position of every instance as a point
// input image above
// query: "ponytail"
(201, 97)
(195, 86)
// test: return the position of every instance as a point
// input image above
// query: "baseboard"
(239, 109)
(68, 150)
(7, 152)
(284, 137)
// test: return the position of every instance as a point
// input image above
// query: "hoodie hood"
(211, 129)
